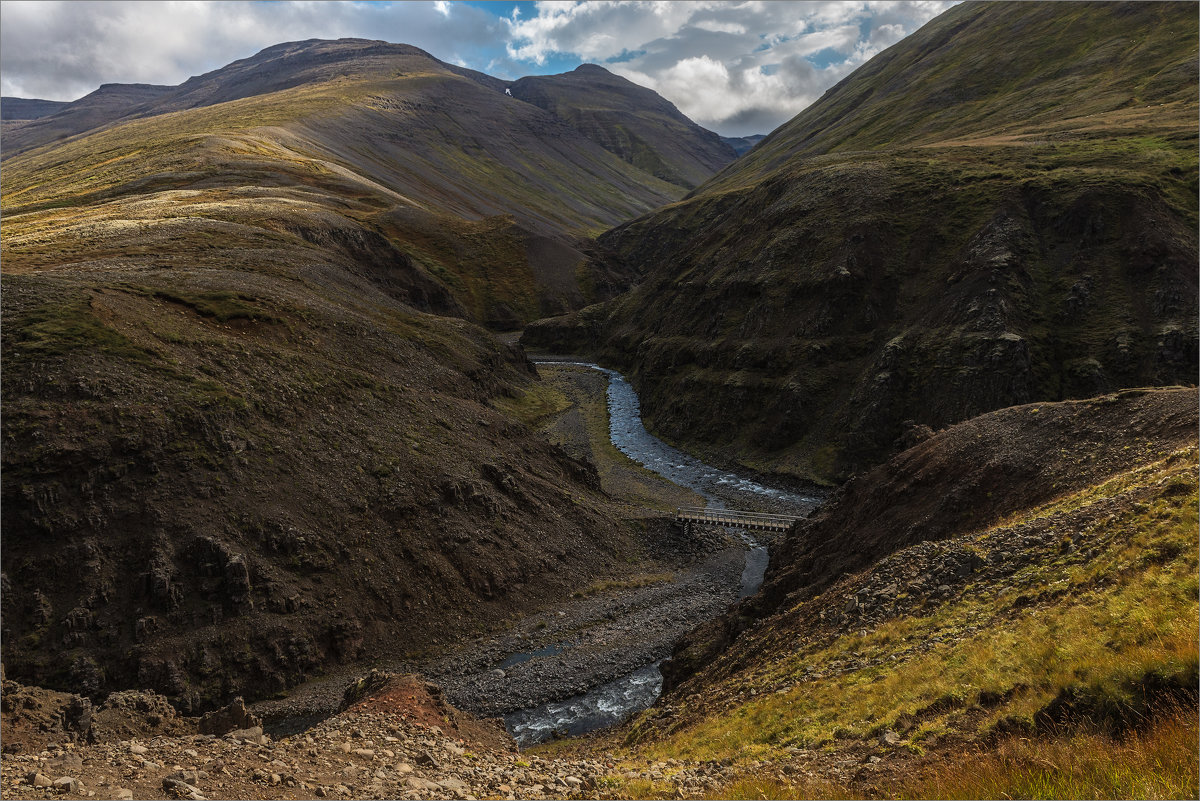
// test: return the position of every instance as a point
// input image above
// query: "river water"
(615, 701)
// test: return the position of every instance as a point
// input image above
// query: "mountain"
(21, 108)
(928, 242)
(109, 103)
(631, 121)
(476, 203)
(742, 144)
(254, 430)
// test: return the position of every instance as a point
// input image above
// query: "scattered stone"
(68, 784)
(174, 788)
(38, 780)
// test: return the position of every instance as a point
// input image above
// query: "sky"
(738, 68)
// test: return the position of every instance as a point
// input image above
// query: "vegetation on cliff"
(999, 209)
(249, 436)
(1045, 634)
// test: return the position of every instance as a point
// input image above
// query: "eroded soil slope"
(222, 480)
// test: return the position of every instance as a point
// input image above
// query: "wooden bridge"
(753, 521)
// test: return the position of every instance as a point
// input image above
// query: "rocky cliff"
(924, 244)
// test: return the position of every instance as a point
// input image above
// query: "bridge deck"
(757, 521)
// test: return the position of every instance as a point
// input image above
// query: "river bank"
(590, 662)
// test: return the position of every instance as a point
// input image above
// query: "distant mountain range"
(20, 108)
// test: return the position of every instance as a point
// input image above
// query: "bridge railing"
(734, 517)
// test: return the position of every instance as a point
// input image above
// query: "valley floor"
(1050, 654)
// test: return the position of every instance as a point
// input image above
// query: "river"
(616, 700)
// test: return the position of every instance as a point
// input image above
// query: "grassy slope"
(224, 479)
(926, 243)
(483, 215)
(236, 451)
(1076, 627)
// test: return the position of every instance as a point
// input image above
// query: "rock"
(889, 737)
(67, 784)
(122, 794)
(65, 764)
(253, 734)
(174, 788)
(138, 749)
(417, 783)
(364, 752)
(38, 780)
(186, 776)
(456, 787)
(234, 717)
(426, 759)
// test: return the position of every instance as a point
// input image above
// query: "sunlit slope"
(1008, 609)
(895, 258)
(446, 176)
(998, 70)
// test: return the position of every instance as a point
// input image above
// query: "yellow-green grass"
(630, 583)
(1157, 762)
(535, 404)
(1097, 629)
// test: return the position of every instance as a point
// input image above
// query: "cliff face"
(902, 255)
(251, 423)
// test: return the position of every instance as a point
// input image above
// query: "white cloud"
(62, 50)
(735, 67)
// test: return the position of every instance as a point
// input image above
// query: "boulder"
(229, 718)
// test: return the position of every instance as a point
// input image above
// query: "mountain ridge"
(382, 126)
(826, 303)
(254, 428)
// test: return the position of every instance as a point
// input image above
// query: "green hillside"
(414, 167)
(999, 209)
(251, 427)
